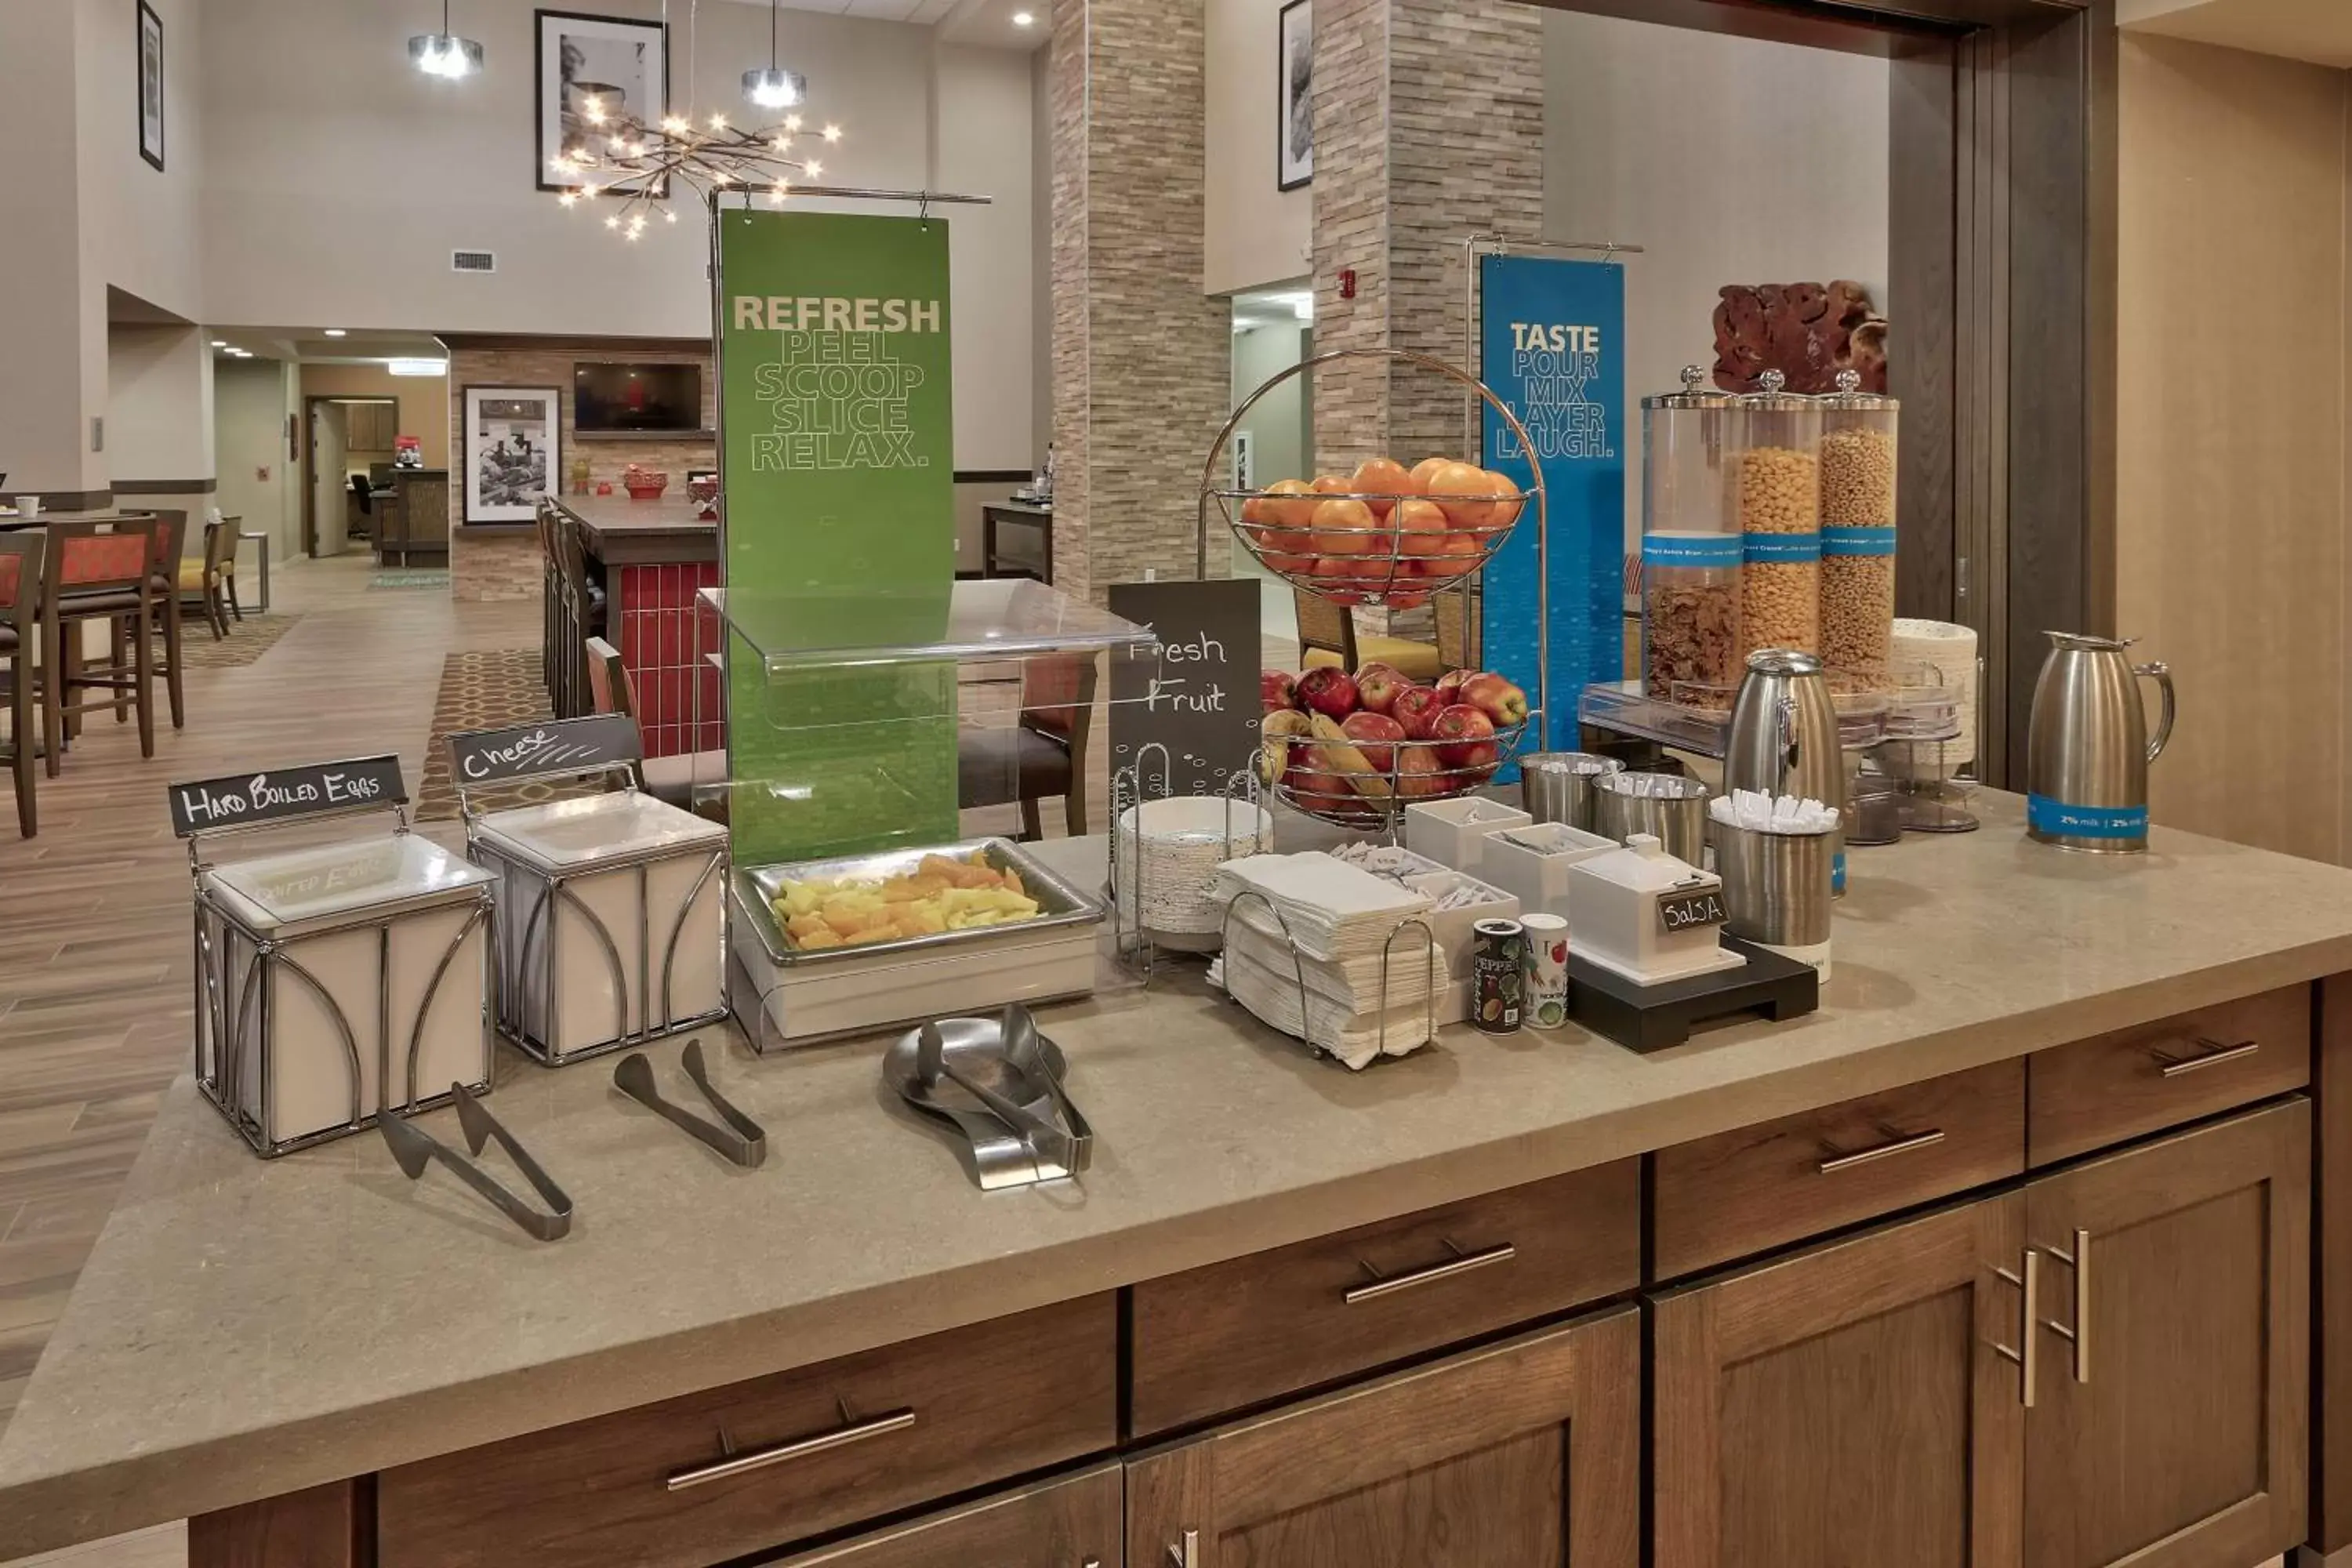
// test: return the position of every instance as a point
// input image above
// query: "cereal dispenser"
(1690, 545)
(1779, 518)
(1857, 469)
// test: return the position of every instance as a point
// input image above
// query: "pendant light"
(444, 54)
(774, 87)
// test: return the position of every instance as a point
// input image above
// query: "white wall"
(1731, 160)
(53, 327)
(250, 402)
(984, 114)
(139, 224)
(1278, 424)
(1254, 234)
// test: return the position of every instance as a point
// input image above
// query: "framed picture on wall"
(151, 85)
(1294, 123)
(619, 66)
(514, 439)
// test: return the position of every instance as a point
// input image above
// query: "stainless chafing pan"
(1058, 903)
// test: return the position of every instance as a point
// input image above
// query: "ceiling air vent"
(473, 261)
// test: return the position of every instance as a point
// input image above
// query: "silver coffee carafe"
(2087, 746)
(1783, 738)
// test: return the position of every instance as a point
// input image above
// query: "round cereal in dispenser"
(1857, 466)
(1780, 520)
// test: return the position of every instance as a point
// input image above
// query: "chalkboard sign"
(1682, 912)
(551, 746)
(280, 794)
(1196, 693)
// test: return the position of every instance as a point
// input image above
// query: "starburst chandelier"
(625, 165)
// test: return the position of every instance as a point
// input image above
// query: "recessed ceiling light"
(1024, 19)
(220, 342)
(417, 366)
(335, 332)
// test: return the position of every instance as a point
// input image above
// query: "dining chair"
(200, 582)
(612, 689)
(584, 618)
(98, 571)
(1327, 635)
(23, 556)
(1041, 753)
(164, 567)
(550, 610)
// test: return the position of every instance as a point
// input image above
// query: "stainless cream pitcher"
(2087, 746)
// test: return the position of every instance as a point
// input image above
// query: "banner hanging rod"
(858, 193)
(1503, 244)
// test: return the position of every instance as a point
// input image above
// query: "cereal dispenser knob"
(1849, 381)
(1772, 381)
(1692, 376)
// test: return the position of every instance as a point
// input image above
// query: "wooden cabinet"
(2170, 1429)
(1849, 1405)
(1074, 1523)
(1524, 1454)
(1874, 1390)
(370, 426)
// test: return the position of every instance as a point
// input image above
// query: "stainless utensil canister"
(1668, 807)
(2087, 746)
(1776, 886)
(1557, 787)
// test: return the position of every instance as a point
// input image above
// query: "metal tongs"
(734, 1134)
(1062, 1144)
(414, 1149)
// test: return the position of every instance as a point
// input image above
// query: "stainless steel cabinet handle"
(2029, 1363)
(2079, 1333)
(1187, 1556)
(1837, 1162)
(1460, 1263)
(798, 1448)
(2214, 1054)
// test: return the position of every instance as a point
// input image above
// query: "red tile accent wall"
(659, 648)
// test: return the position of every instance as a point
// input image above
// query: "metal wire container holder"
(238, 973)
(528, 994)
(1932, 796)
(1131, 939)
(1431, 974)
(1388, 562)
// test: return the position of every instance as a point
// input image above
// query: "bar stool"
(98, 571)
(550, 590)
(584, 616)
(23, 556)
(199, 582)
(170, 539)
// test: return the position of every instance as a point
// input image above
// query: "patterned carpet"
(484, 689)
(246, 641)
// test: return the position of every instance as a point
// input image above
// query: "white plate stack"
(1169, 851)
(1339, 921)
(1951, 649)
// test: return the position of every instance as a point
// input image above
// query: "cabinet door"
(1524, 1454)
(2170, 1427)
(1069, 1523)
(1850, 1406)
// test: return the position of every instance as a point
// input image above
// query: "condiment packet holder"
(1455, 832)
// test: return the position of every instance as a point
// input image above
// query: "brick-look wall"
(1428, 128)
(1142, 359)
(506, 565)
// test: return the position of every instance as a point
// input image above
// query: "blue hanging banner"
(1552, 346)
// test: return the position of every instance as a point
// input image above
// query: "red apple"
(1416, 707)
(1276, 690)
(1499, 700)
(1375, 735)
(1321, 787)
(1377, 686)
(1467, 737)
(1417, 774)
(1329, 691)
(1450, 683)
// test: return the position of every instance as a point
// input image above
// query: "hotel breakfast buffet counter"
(247, 1330)
(651, 557)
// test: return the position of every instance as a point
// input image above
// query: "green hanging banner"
(836, 470)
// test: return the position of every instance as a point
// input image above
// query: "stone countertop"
(246, 1329)
(618, 515)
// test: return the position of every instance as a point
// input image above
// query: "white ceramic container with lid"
(610, 912)
(338, 982)
(1645, 915)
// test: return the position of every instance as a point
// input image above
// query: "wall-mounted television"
(616, 396)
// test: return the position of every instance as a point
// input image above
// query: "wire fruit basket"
(1366, 785)
(1388, 535)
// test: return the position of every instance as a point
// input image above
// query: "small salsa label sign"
(1682, 912)
(280, 794)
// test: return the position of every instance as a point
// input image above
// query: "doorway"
(347, 437)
